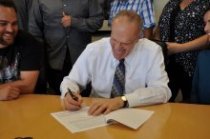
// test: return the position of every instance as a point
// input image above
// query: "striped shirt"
(142, 7)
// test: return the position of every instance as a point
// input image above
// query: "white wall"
(158, 6)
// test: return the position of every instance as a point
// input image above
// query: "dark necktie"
(118, 87)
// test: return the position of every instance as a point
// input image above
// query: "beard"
(4, 42)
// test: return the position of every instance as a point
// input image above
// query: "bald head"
(128, 17)
(125, 33)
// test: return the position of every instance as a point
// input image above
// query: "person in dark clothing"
(181, 24)
(23, 9)
(64, 27)
(20, 55)
(201, 79)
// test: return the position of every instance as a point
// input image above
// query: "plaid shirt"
(143, 8)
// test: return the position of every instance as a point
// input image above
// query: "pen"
(72, 95)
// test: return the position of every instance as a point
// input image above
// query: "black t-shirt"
(26, 54)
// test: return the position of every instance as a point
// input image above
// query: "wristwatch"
(125, 101)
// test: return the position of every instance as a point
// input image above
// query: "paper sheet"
(76, 121)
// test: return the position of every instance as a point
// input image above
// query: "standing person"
(23, 8)
(65, 27)
(201, 79)
(20, 55)
(128, 70)
(181, 22)
(143, 8)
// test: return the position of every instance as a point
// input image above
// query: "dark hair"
(8, 3)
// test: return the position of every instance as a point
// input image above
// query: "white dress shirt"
(145, 80)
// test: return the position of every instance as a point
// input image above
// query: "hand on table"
(105, 106)
(9, 92)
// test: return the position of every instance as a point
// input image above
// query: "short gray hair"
(132, 16)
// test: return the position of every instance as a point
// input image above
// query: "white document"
(77, 121)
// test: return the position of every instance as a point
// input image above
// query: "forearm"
(196, 44)
(79, 77)
(24, 87)
(148, 96)
(157, 90)
(27, 82)
(199, 43)
(68, 84)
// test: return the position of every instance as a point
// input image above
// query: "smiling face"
(124, 36)
(8, 26)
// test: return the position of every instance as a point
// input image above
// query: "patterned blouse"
(181, 26)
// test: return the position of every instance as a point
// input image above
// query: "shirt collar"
(128, 59)
(131, 56)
